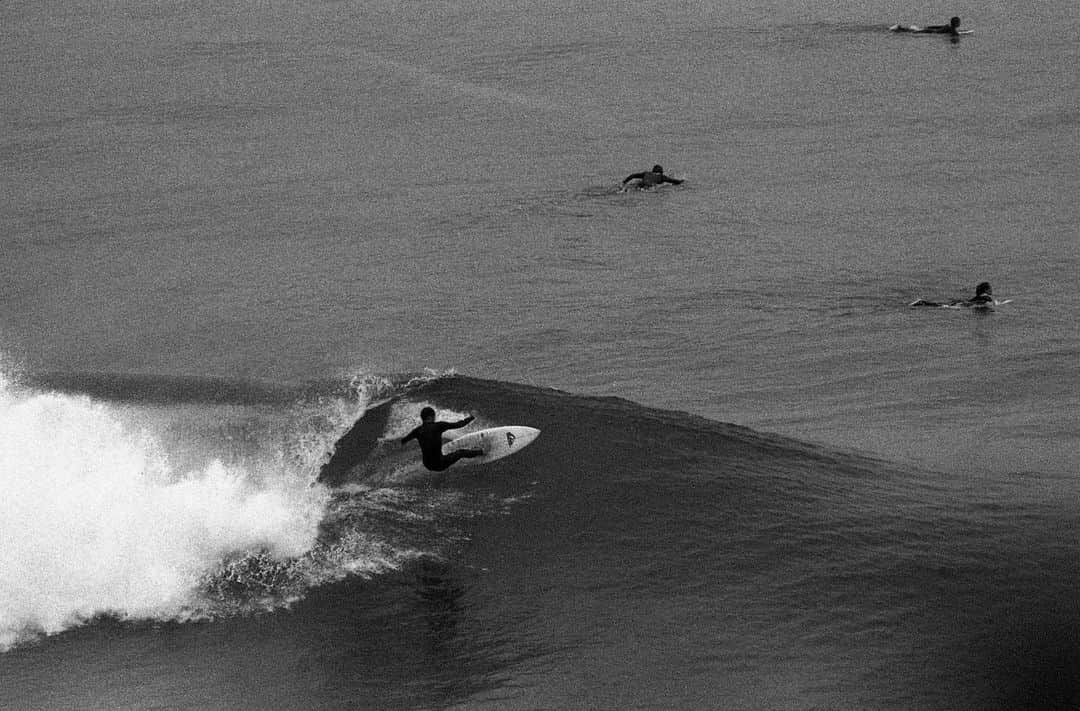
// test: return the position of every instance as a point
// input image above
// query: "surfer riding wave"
(429, 434)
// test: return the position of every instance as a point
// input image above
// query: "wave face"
(638, 539)
(757, 569)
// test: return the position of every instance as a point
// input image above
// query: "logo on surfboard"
(510, 437)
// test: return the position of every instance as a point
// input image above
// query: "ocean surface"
(243, 244)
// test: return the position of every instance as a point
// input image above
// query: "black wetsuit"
(939, 30)
(429, 435)
(650, 178)
(953, 28)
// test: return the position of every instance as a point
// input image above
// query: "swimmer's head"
(983, 289)
(657, 169)
(427, 414)
(954, 22)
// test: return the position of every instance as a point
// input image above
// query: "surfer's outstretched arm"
(673, 181)
(459, 423)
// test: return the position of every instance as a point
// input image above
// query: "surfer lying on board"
(429, 435)
(650, 178)
(953, 28)
(984, 296)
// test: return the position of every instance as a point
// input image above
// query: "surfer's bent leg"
(449, 459)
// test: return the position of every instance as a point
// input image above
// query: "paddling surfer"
(650, 178)
(984, 296)
(953, 28)
(429, 435)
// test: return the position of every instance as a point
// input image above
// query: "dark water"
(630, 558)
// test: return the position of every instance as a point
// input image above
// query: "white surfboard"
(497, 442)
(961, 304)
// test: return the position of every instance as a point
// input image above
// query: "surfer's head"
(954, 22)
(658, 169)
(427, 414)
(983, 289)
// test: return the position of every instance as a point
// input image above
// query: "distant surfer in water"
(984, 296)
(650, 178)
(429, 435)
(953, 28)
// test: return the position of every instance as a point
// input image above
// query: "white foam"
(94, 520)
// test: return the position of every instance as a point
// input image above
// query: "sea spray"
(94, 520)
